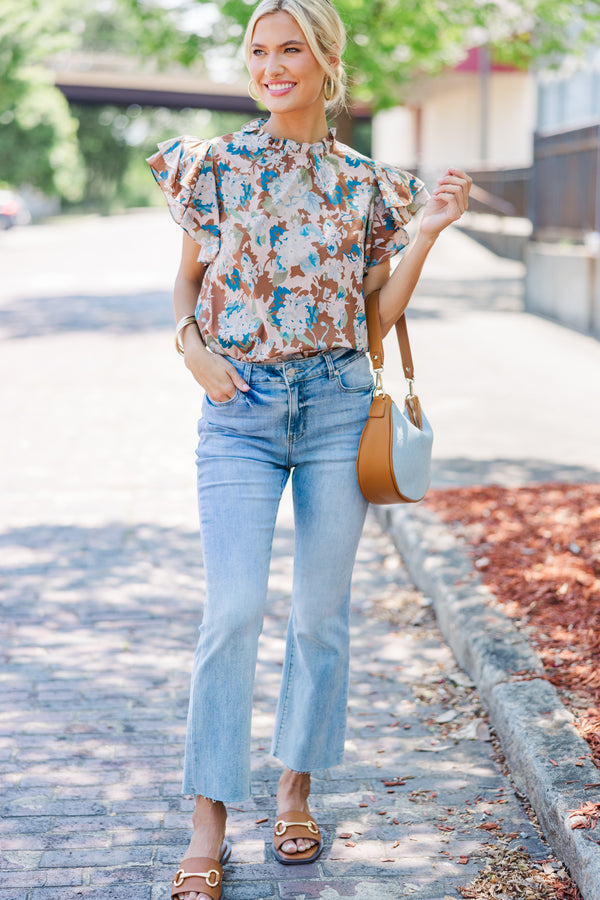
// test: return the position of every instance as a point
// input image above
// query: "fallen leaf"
(589, 812)
(447, 716)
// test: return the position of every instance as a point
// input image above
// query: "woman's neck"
(302, 126)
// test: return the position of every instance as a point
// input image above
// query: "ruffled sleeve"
(397, 197)
(183, 169)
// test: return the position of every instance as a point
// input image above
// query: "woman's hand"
(447, 204)
(214, 373)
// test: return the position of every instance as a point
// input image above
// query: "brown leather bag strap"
(376, 343)
(404, 344)
(374, 330)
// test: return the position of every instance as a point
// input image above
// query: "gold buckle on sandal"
(181, 875)
(281, 827)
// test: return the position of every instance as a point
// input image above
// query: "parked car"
(13, 210)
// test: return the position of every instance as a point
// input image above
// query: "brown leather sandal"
(289, 827)
(201, 874)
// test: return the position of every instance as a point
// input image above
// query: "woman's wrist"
(195, 350)
(180, 329)
(425, 239)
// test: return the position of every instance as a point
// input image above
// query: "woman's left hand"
(447, 203)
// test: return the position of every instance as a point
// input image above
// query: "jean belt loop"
(247, 372)
(330, 364)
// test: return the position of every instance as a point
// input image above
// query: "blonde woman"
(285, 232)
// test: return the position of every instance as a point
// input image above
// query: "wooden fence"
(565, 187)
(501, 191)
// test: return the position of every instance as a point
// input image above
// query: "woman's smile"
(277, 88)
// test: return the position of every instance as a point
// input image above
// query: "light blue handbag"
(394, 455)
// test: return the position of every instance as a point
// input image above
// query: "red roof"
(472, 63)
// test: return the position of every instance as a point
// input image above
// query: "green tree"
(41, 137)
(38, 135)
(113, 140)
(389, 41)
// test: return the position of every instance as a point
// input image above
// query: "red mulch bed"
(538, 550)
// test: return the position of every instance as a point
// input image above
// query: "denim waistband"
(298, 367)
(303, 357)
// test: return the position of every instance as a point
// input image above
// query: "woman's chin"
(283, 103)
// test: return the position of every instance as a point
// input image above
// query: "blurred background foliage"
(95, 155)
(38, 134)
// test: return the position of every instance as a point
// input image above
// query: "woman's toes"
(297, 846)
(306, 845)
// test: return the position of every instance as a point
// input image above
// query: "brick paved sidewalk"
(101, 629)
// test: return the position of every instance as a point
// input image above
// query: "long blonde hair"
(324, 32)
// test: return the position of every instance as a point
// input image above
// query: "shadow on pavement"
(490, 295)
(115, 313)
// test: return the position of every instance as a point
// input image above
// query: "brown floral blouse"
(287, 231)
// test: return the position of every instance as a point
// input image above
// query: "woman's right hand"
(214, 373)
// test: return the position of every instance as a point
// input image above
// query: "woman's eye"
(256, 52)
(292, 50)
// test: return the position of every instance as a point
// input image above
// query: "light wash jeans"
(304, 416)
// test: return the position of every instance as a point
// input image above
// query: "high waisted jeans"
(304, 416)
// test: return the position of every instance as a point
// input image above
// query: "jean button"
(291, 371)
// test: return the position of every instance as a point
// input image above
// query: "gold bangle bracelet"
(183, 323)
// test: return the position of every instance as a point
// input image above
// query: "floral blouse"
(287, 231)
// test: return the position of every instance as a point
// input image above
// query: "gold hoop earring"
(251, 85)
(328, 88)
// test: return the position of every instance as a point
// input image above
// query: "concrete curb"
(533, 725)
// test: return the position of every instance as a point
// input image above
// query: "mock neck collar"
(257, 127)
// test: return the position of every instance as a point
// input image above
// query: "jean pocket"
(219, 404)
(355, 376)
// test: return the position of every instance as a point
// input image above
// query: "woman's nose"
(273, 66)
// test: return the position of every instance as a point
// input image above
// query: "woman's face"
(282, 65)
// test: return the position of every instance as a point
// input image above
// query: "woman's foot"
(293, 793)
(209, 821)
